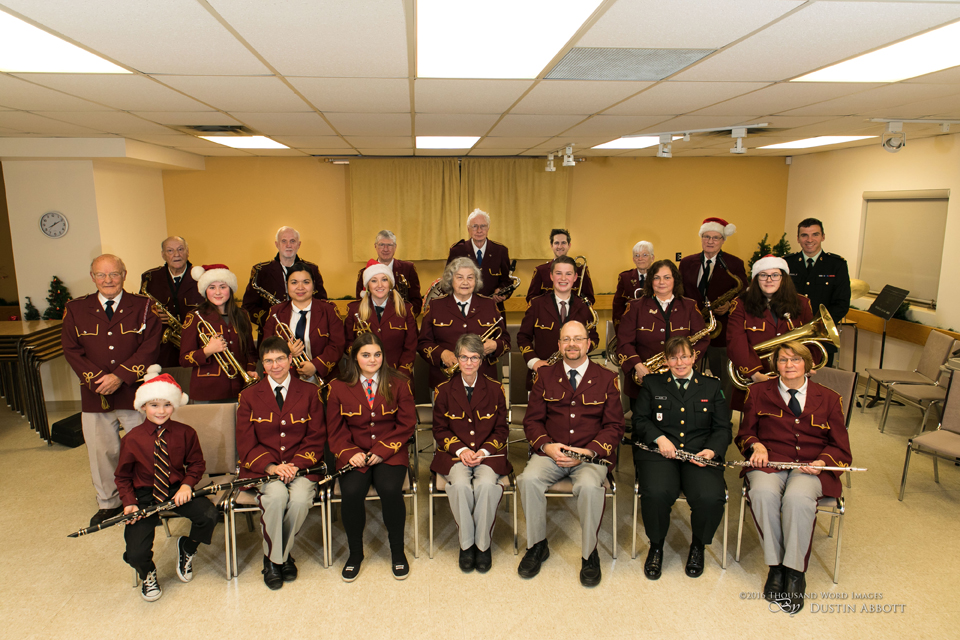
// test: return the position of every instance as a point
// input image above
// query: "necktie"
(279, 391)
(643, 279)
(161, 469)
(705, 279)
(683, 386)
(109, 309)
(573, 379)
(463, 308)
(469, 394)
(301, 329)
(369, 392)
(176, 281)
(809, 264)
(563, 312)
(794, 404)
(479, 257)
(379, 312)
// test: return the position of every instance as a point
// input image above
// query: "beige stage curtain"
(416, 198)
(524, 201)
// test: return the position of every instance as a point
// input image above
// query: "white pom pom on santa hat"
(719, 225)
(209, 273)
(159, 386)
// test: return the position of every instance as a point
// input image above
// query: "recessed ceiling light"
(27, 49)
(246, 142)
(494, 38)
(920, 55)
(446, 142)
(819, 141)
(639, 142)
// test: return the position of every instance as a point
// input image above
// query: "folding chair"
(437, 490)
(942, 443)
(682, 498)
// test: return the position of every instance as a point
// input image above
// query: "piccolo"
(246, 483)
(681, 455)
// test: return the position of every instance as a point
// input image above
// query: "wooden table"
(24, 347)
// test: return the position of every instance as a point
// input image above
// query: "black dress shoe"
(289, 569)
(483, 560)
(351, 569)
(401, 568)
(695, 561)
(654, 563)
(796, 584)
(468, 559)
(533, 558)
(773, 588)
(104, 514)
(590, 570)
(272, 577)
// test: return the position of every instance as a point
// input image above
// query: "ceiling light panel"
(245, 142)
(592, 63)
(495, 38)
(25, 48)
(819, 141)
(446, 142)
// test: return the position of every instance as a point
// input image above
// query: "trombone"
(284, 331)
(493, 333)
(226, 360)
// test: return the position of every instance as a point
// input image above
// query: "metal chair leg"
(886, 408)
(830, 532)
(136, 579)
(430, 509)
(743, 500)
(866, 394)
(936, 470)
(906, 466)
(613, 498)
(726, 508)
(636, 499)
(516, 530)
(226, 545)
(836, 565)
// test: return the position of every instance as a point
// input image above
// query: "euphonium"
(284, 331)
(174, 327)
(492, 333)
(226, 360)
(658, 363)
(727, 297)
(813, 334)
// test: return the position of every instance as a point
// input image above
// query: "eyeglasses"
(279, 360)
(469, 359)
(113, 275)
(676, 359)
(384, 245)
(479, 226)
(575, 340)
(769, 276)
(642, 255)
(795, 360)
(712, 238)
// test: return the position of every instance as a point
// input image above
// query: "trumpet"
(284, 331)
(362, 327)
(507, 291)
(493, 333)
(658, 363)
(227, 361)
(174, 327)
(813, 334)
(269, 297)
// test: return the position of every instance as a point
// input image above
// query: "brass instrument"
(434, 291)
(726, 298)
(362, 327)
(269, 297)
(227, 361)
(174, 327)
(813, 334)
(403, 287)
(658, 363)
(595, 320)
(492, 333)
(284, 331)
(580, 262)
(507, 291)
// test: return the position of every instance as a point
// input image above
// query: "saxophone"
(658, 363)
(174, 327)
(269, 297)
(726, 298)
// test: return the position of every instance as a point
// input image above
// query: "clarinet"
(685, 456)
(576, 455)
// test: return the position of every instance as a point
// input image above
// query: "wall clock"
(54, 224)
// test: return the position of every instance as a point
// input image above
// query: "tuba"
(812, 335)
(658, 363)
(227, 361)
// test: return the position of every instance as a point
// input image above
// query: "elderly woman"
(630, 282)
(470, 425)
(464, 310)
(232, 331)
(791, 419)
(662, 313)
(381, 310)
(769, 307)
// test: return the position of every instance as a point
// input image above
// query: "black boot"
(773, 588)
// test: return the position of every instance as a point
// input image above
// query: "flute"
(784, 466)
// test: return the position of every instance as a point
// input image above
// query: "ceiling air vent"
(215, 129)
(595, 63)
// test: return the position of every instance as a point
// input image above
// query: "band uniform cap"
(159, 386)
(209, 273)
(769, 261)
(719, 225)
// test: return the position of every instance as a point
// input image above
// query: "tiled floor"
(52, 586)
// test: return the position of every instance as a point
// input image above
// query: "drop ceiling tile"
(467, 96)
(371, 124)
(819, 34)
(785, 96)
(110, 121)
(278, 152)
(614, 125)
(248, 93)
(493, 142)
(676, 98)
(278, 124)
(313, 142)
(216, 150)
(575, 96)
(327, 39)
(185, 118)
(846, 126)
(541, 125)
(123, 92)
(171, 140)
(886, 97)
(387, 152)
(32, 123)
(434, 124)
(368, 142)
(496, 152)
(17, 93)
(936, 107)
(689, 123)
(173, 36)
(681, 24)
(947, 76)
(355, 95)
(330, 152)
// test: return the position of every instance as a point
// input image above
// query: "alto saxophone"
(174, 327)
(269, 297)
(658, 363)
(726, 298)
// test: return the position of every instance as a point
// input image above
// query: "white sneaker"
(150, 588)
(184, 561)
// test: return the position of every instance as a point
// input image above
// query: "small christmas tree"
(781, 249)
(30, 312)
(762, 250)
(57, 298)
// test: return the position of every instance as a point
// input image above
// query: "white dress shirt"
(801, 394)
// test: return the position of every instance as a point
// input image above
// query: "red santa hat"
(719, 225)
(159, 386)
(769, 261)
(209, 273)
(375, 267)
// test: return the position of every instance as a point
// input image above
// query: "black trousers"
(201, 513)
(388, 480)
(661, 481)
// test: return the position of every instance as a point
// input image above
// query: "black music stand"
(884, 306)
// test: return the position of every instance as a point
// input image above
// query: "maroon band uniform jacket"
(353, 426)
(208, 381)
(178, 300)
(539, 332)
(720, 283)
(125, 346)
(406, 280)
(629, 288)
(541, 283)
(443, 323)
(267, 434)
(326, 333)
(272, 279)
(135, 465)
(478, 423)
(644, 331)
(496, 263)
(589, 418)
(398, 335)
(820, 433)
